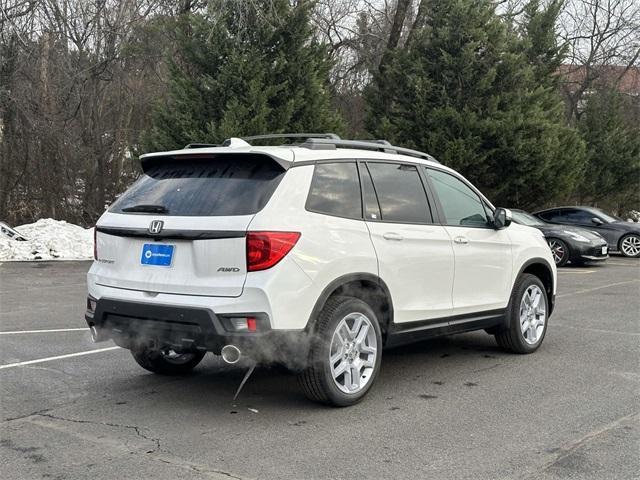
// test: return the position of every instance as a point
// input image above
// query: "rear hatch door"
(181, 227)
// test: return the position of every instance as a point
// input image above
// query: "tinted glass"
(400, 192)
(371, 205)
(205, 187)
(552, 216)
(335, 190)
(605, 216)
(524, 218)
(573, 215)
(461, 205)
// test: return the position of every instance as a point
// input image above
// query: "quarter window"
(371, 205)
(461, 205)
(335, 190)
(400, 192)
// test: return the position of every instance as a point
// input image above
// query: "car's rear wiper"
(147, 209)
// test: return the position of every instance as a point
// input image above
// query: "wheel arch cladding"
(539, 268)
(365, 286)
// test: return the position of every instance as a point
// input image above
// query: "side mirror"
(501, 218)
(596, 221)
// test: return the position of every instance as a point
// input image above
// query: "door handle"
(392, 236)
(461, 240)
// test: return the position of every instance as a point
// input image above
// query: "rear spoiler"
(151, 159)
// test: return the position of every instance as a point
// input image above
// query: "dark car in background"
(567, 243)
(623, 237)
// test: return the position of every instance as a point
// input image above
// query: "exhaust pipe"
(230, 354)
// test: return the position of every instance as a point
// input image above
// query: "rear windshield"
(230, 185)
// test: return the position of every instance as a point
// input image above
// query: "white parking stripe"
(588, 290)
(17, 332)
(59, 357)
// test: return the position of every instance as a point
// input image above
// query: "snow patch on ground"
(48, 239)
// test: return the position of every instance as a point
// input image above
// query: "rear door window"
(222, 186)
(335, 190)
(400, 192)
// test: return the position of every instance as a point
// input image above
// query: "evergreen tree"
(244, 68)
(465, 91)
(612, 172)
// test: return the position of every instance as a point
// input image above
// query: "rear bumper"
(130, 324)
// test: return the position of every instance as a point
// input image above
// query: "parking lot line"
(54, 330)
(587, 290)
(59, 357)
(579, 272)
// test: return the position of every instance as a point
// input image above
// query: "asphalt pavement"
(452, 408)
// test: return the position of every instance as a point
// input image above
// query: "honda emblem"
(156, 226)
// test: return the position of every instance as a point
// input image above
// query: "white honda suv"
(315, 255)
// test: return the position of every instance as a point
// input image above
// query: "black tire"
(561, 262)
(157, 362)
(511, 337)
(316, 379)
(627, 237)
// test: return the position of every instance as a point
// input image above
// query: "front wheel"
(526, 316)
(559, 250)
(166, 361)
(345, 354)
(630, 245)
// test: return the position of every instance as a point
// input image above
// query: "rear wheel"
(526, 316)
(630, 245)
(166, 361)
(345, 353)
(559, 250)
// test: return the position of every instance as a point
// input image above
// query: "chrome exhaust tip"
(230, 354)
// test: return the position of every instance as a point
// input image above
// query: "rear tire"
(166, 362)
(345, 353)
(630, 245)
(527, 316)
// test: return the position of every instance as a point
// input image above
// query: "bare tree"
(603, 37)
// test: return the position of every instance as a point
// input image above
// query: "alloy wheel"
(630, 245)
(533, 314)
(353, 351)
(558, 251)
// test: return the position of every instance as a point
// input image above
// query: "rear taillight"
(265, 249)
(95, 243)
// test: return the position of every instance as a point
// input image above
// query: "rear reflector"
(243, 324)
(265, 249)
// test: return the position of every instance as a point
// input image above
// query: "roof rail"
(306, 136)
(200, 145)
(375, 145)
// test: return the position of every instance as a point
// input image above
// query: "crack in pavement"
(569, 448)
(159, 453)
(21, 417)
(198, 468)
(135, 428)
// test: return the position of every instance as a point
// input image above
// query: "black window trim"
(440, 210)
(437, 213)
(363, 166)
